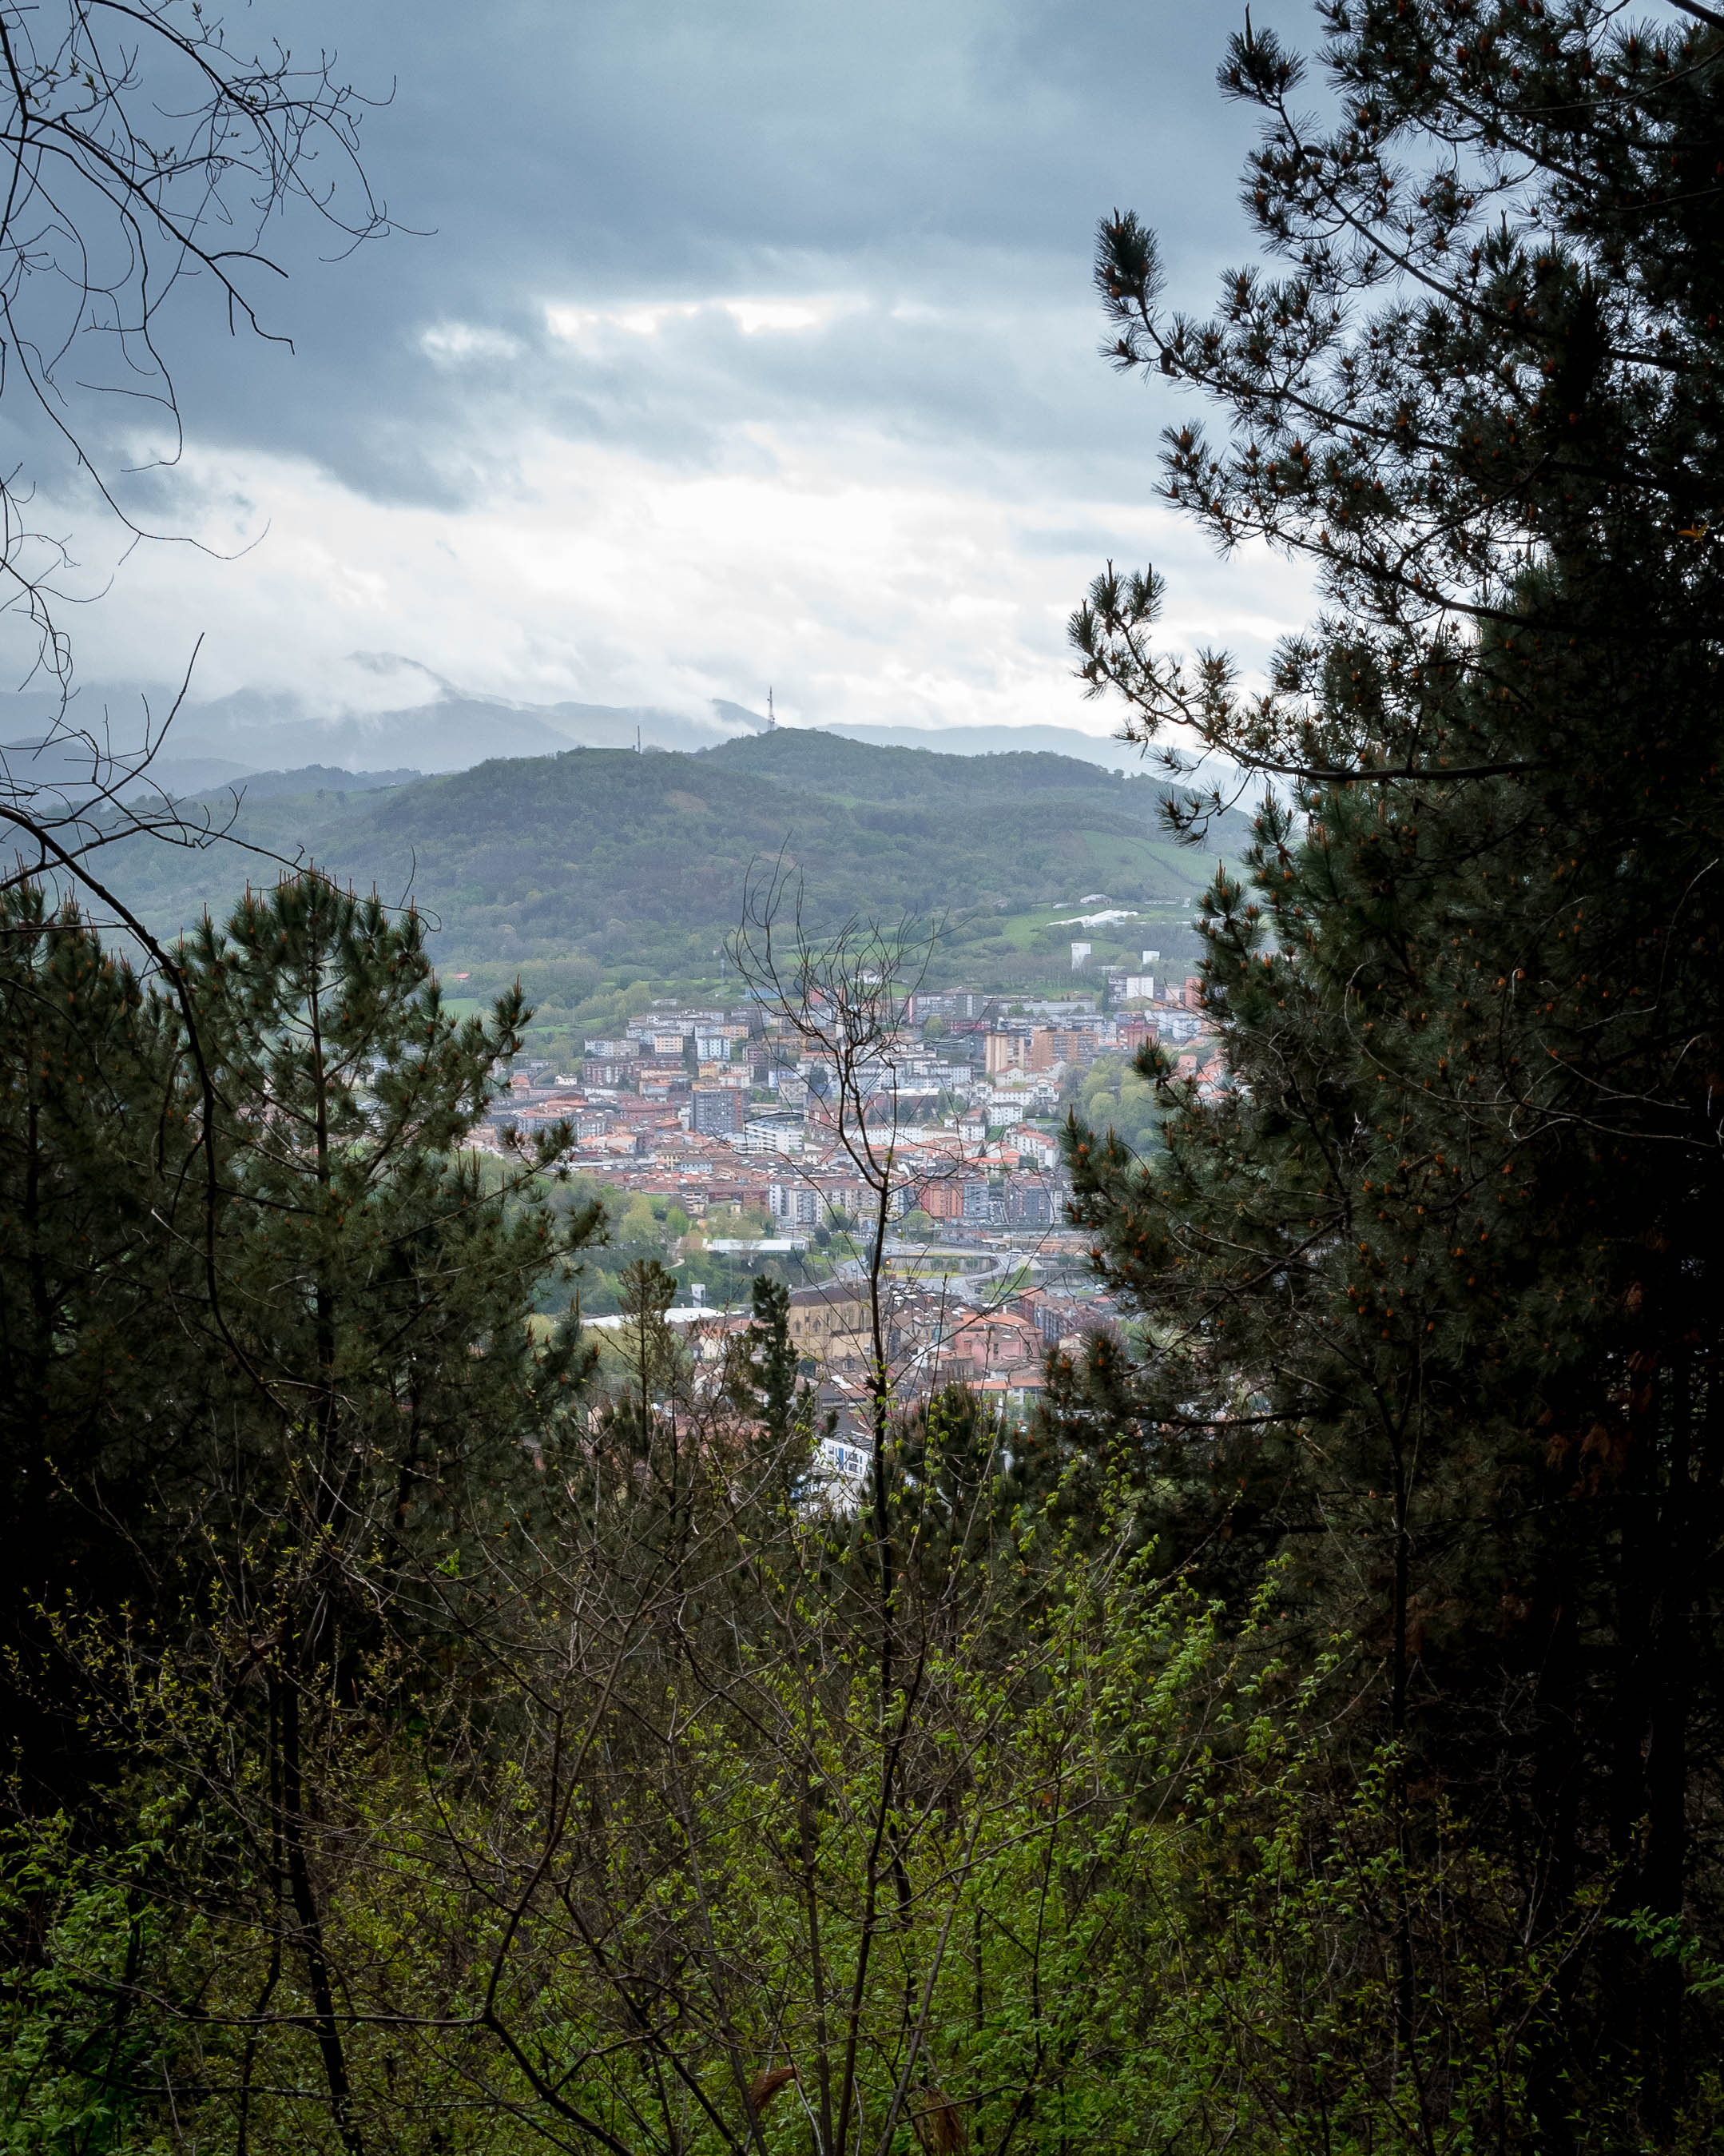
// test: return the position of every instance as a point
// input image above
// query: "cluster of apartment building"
(709, 1108)
(733, 1107)
(746, 1073)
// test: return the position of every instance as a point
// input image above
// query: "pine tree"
(766, 1386)
(648, 1346)
(387, 1466)
(1433, 1285)
(266, 1332)
(277, 1425)
(369, 1286)
(773, 1366)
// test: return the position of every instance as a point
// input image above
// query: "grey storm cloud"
(943, 165)
(718, 344)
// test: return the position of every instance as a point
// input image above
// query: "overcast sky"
(748, 342)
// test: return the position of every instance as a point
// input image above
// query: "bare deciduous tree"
(143, 159)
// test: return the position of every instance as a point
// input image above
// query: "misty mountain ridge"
(254, 730)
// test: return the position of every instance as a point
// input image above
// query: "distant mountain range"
(212, 744)
(636, 862)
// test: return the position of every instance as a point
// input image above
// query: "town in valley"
(721, 1126)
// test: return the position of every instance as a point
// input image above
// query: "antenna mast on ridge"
(771, 721)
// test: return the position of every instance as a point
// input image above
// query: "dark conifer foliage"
(95, 1381)
(265, 1366)
(366, 1286)
(773, 1365)
(1433, 1284)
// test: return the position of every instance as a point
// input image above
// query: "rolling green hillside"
(599, 864)
(843, 769)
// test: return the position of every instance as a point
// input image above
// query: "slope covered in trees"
(603, 854)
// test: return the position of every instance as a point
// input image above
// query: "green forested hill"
(623, 860)
(843, 769)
